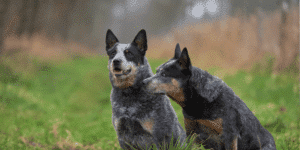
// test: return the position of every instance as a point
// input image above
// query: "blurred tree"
(163, 14)
(247, 7)
(3, 12)
(65, 21)
(27, 15)
(284, 8)
(244, 7)
(82, 21)
(56, 18)
(86, 21)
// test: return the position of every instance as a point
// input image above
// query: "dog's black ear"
(140, 41)
(177, 51)
(111, 39)
(184, 60)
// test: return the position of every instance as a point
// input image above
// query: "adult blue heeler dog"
(140, 119)
(211, 109)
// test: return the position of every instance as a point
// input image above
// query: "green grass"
(48, 105)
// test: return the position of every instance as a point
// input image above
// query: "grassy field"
(48, 105)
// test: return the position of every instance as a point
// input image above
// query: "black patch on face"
(164, 79)
(112, 52)
(172, 70)
(133, 54)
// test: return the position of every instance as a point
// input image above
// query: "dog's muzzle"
(146, 81)
(118, 69)
(124, 72)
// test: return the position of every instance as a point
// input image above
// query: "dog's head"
(171, 77)
(125, 59)
(174, 76)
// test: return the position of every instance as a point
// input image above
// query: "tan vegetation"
(234, 42)
(230, 43)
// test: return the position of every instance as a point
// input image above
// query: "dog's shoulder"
(212, 87)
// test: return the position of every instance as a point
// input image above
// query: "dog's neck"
(194, 80)
(193, 100)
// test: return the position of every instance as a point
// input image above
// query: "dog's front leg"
(161, 140)
(123, 144)
(231, 143)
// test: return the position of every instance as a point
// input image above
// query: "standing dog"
(140, 119)
(210, 108)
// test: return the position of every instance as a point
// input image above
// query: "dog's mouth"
(156, 93)
(119, 72)
(159, 93)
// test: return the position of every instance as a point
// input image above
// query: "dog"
(212, 111)
(140, 119)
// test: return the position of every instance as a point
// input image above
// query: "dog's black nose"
(117, 62)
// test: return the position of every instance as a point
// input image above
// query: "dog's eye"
(113, 54)
(163, 74)
(127, 52)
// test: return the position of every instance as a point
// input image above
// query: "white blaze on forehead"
(126, 65)
(120, 49)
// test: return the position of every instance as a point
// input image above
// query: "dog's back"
(139, 118)
(239, 126)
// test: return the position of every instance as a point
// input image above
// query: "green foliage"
(274, 99)
(66, 105)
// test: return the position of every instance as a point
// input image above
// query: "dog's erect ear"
(111, 39)
(140, 41)
(184, 60)
(177, 51)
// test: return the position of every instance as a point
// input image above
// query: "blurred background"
(224, 33)
(54, 85)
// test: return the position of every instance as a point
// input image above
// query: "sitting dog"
(211, 109)
(140, 119)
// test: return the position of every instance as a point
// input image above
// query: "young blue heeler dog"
(211, 109)
(139, 118)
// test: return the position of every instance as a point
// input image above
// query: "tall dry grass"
(230, 43)
(234, 42)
